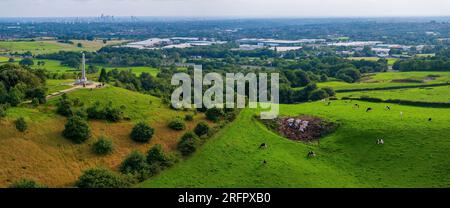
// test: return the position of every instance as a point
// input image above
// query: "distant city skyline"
(224, 8)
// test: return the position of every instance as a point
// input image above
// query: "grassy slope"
(426, 94)
(415, 154)
(381, 80)
(44, 155)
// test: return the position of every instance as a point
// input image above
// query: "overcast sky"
(221, 8)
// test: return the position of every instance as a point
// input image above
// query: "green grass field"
(425, 94)
(56, 85)
(136, 70)
(415, 154)
(390, 79)
(50, 46)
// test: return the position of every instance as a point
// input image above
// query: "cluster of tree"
(18, 84)
(423, 64)
(310, 92)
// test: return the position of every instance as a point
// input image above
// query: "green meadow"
(415, 153)
(423, 94)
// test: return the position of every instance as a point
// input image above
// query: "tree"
(156, 156)
(142, 132)
(201, 129)
(214, 114)
(77, 130)
(330, 91)
(79, 45)
(103, 76)
(21, 124)
(318, 94)
(188, 143)
(26, 62)
(136, 164)
(302, 78)
(103, 146)
(64, 106)
(349, 75)
(101, 178)
(177, 124)
(11, 60)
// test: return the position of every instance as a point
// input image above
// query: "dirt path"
(94, 85)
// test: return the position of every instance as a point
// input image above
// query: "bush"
(214, 114)
(101, 178)
(201, 129)
(318, 94)
(177, 124)
(135, 164)
(64, 106)
(156, 156)
(102, 146)
(188, 143)
(77, 130)
(189, 117)
(25, 183)
(95, 112)
(3, 109)
(21, 124)
(329, 91)
(142, 132)
(113, 114)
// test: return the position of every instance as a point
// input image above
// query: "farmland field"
(391, 79)
(415, 153)
(424, 94)
(49, 46)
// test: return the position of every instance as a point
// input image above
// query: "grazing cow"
(264, 162)
(430, 119)
(388, 107)
(311, 154)
(380, 141)
(356, 105)
(263, 146)
(368, 110)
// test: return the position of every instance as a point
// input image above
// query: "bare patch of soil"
(301, 128)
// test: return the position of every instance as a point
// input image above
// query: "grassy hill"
(42, 154)
(415, 154)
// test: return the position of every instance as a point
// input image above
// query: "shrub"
(189, 117)
(3, 111)
(136, 164)
(156, 156)
(101, 178)
(77, 130)
(21, 124)
(64, 106)
(142, 132)
(329, 91)
(318, 94)
(214, 114)
(188, 143)
(95, 112)
(201, 129)
(102, 146)
(25, 183)
(177, 124)
(113, 114)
